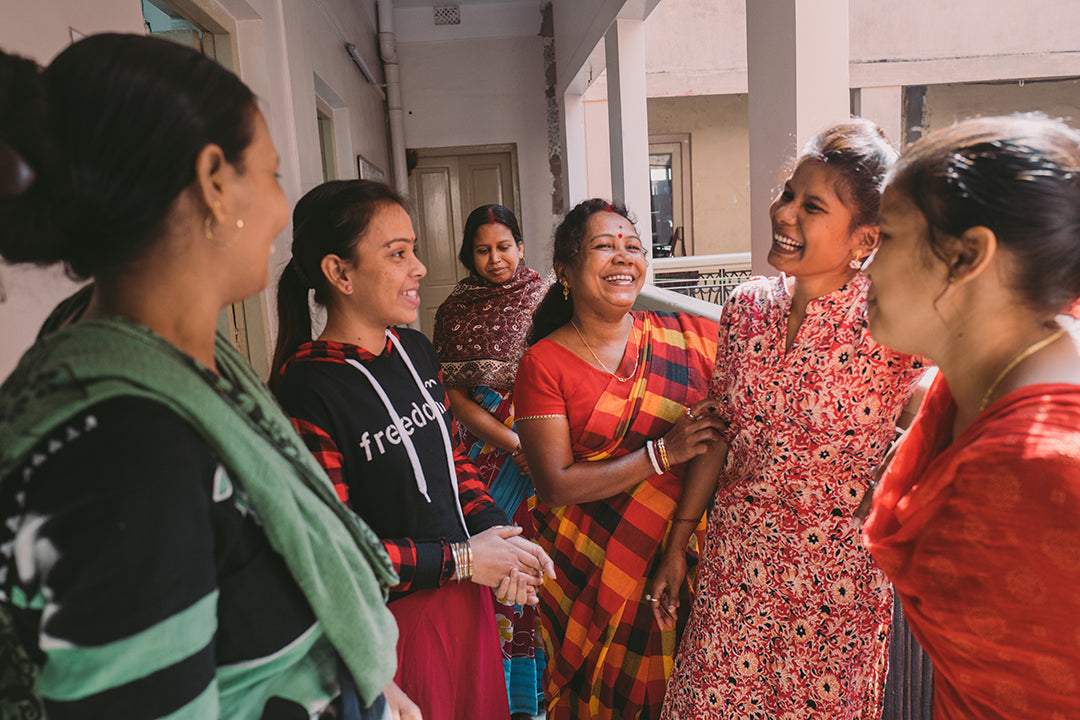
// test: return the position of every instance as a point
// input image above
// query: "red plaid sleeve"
(415, 564)
(326, 453)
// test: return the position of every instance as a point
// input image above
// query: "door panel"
(486, 180)
(445, 188)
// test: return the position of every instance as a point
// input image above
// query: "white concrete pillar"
(885, 106)
(628, 123)
(797, 74)
(577, 165)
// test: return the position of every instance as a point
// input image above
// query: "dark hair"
(485, 215)
(859, 154)
(1019, 176)
(329, 220)
(554, 310)
(111, 128)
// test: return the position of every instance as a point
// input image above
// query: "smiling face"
(496, 254)
(386, 280)
(813, 239)
(610, 269)
(906, 280)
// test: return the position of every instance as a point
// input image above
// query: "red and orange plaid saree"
(606, 656)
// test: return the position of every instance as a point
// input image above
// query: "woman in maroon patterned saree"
(480, 336)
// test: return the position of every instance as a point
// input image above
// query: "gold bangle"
(463, 561)
(663, 455)
(456, 553)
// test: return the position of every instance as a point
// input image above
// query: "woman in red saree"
(608, 411)
(977, 519)
(480, 336)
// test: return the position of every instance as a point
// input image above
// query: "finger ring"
(650, 598)
(690, 415)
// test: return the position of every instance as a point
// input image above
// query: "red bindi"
(620, 234)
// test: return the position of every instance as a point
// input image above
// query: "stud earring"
(239, 224)
(348, 288)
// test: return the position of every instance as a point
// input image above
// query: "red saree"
(981, 539)
(606, 656)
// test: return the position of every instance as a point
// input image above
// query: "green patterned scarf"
(336, 559)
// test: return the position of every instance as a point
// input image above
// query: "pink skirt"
(449, 660)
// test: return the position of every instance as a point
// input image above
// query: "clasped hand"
(514, 566)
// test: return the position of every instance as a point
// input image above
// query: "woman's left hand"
(695, 433)
(537, 558)
(516, 589)
(518, 456)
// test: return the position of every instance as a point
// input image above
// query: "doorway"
(445, 186)
(185, 22)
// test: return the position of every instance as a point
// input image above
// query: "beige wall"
(945, 104)
(720, 165)
(485, 91)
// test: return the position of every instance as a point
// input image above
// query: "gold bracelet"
(663, 455)
(456, 553)
(463, 561)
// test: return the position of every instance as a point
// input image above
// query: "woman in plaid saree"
(604, 398)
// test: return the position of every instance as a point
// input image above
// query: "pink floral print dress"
(791, 616)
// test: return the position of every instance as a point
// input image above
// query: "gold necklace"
(597, 359)
(1027, 352)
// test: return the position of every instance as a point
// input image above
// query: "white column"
(628, 125)
(797, 74)
(885, 106)
(577, 165)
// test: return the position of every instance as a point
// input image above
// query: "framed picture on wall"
(367, 170)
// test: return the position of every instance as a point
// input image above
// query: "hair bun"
(16, 175)
(28, 232)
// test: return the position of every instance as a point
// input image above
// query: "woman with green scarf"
(168, 545)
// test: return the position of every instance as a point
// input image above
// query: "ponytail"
(329, 220)
(294, 318)
(552, 313)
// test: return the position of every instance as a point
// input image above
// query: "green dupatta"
(335, 558)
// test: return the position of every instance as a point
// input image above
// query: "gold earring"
(565, 290)
(207, 226)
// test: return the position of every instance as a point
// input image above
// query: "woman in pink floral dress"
(791, 617)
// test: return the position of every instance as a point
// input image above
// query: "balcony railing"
(711, 287)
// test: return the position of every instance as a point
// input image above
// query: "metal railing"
(714, 287)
